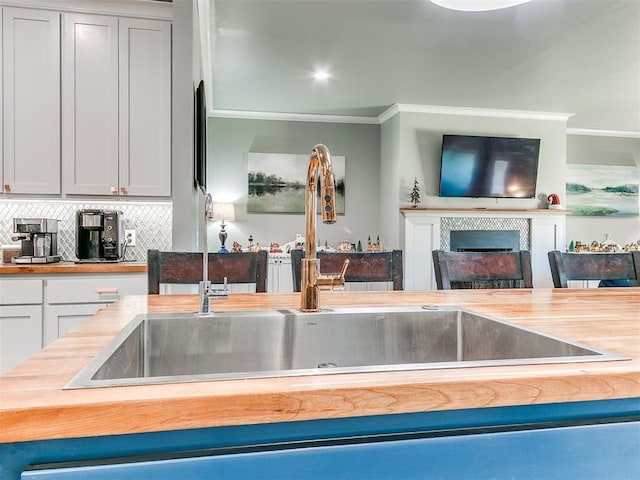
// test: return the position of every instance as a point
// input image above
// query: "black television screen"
(200, 138)
(492, 167)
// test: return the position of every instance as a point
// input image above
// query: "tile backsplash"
(152, 222)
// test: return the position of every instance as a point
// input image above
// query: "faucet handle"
(343, 271)
(333, 281)
(220, 292)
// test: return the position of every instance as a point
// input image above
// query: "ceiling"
(565, 56)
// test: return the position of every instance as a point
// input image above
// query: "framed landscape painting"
(277, 180)
(603, 190)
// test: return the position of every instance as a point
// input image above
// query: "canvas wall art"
(603, 190)
(277, 180)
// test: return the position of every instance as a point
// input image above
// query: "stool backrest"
(455, 270)
(363, 266)
(567, 266)
(186, 268)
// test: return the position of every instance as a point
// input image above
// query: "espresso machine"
(38, 240)
(99, 236)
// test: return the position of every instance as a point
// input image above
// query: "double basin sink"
(168, 348)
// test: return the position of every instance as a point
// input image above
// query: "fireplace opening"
(484, 240)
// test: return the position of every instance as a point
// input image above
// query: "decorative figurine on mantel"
(415, 193)
(275, 248)
(554, 202)
(253, 248)
(237, 248)
(373, 246)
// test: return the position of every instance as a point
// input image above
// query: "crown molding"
(389, 113)
(409, 108)
(603, 133)
(137, 8)
(473, 112)
(292, 117)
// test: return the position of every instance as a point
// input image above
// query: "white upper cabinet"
(116, 106)
(145, 107)
(90, 104)
(30, 101)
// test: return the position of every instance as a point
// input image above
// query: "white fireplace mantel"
(422, 229)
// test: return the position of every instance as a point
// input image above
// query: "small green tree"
(415, 193)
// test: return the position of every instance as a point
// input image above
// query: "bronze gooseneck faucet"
(312, 280)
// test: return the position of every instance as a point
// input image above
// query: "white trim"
(135, 8)
(603, 133)
(292, 117)
(473, 112)
(409, 108)
(388, 113)
(205, 18)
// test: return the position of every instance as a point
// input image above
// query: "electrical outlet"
(130, 237)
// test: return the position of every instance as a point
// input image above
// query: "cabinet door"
(2, 184)
(62, 318)
(74, 298)
(547, 234)
(90, 104)
(20, 334)
(145, 107)
(31, 101)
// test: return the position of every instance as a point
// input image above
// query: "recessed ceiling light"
(477, 5)
(321, 75)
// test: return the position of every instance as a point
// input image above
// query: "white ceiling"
(566, 56)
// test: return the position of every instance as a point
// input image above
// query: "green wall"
(229, 142)
(603, 150)
(381, 163)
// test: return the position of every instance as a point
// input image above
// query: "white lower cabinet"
(279, 276)
(21, 328)
(36, 310)
(62, 318)
(72, 299)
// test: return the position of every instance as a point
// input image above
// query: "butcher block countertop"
(34, 406)
(70, 267)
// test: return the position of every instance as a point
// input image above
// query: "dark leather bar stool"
(459, 270)
(622, 268)
(186, 268)
(363, 266)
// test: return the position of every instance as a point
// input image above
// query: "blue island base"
(572, 440)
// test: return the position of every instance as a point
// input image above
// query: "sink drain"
(327, 365)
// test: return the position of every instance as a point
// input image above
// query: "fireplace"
(484, 240)
(428, 229)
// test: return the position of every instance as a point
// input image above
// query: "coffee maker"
(99, 235)
(38, 240)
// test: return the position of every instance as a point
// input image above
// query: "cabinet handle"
(7, 187)
(123, 190)
(107, 291)
(114, 190)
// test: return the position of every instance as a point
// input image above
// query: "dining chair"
(186, 268)
(363, 266)
(611, 267)
(459, 270)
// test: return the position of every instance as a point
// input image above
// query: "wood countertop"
(34, 406)
(71, 267)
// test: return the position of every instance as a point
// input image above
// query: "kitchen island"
(418, 418)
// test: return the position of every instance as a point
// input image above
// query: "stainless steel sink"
(184, 347)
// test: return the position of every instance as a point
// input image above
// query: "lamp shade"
(225, 212)
(477, 5)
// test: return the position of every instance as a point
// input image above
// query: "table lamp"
(223, 212)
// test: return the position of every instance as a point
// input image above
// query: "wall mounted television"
(200, 138)
(488, 167)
